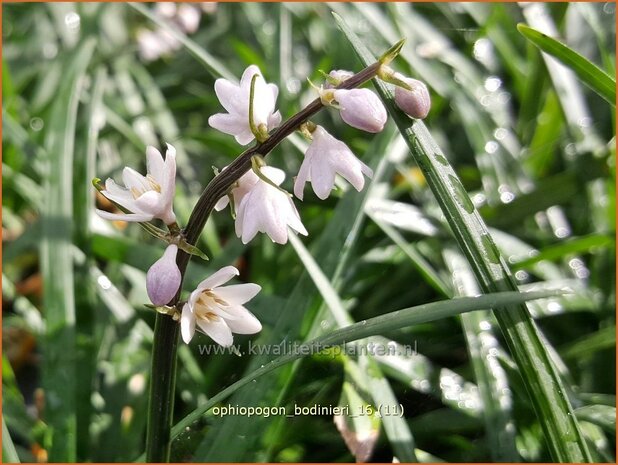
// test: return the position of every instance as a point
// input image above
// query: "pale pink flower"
(326, 157)
(218, 311)
(146, 197)
(235, 99)
(265, 208)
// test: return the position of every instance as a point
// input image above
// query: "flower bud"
(362, 109)
(163, 278)
(336, 77)
(415, 102)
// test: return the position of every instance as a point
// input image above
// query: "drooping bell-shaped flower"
(163, 278)
(218, 310)
(235, 99)
(326, 157)
(265, 208)
(145, 197)
(361, 108)
(415, 102)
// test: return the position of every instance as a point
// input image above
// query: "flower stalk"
(163, 374)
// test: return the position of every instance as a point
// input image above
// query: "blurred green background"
(84, 91)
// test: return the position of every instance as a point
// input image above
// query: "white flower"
(266, 209)
(218, 311)
(415, 102)
(188, 16)
(163, 278)
(235, 99)
(325, 157)
(361, 108)
(243, 185)
(154, 44)
(146, 197)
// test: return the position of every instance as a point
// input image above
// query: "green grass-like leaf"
(540, 376)
(9, 454)
(371, 327)
(59, 370)
(590, 74)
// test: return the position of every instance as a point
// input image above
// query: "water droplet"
(562, 232)
(72, 21)
(554, 307)
(460, 194)
(521, 275)
(492, 83)
(36, 123)
(504, 97)
(482, 49)
(507, 197)
(479, 199)
(491, 146)
(104, 282)
(485, 325)
(500, 133)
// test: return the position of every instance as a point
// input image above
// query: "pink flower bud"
(361, 108)
(415, 102)
(163, 278)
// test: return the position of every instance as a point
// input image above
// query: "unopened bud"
(362, 109)
(336, 77)
(163, 278)
(415, 102)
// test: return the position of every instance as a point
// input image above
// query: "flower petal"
(130, 217)
(274, 120)
(155, 164)
(218, 331)
(133, 180)
(301, 178)
(187, 323)
(125, 201)
(248, 218)
(114, 189)
(294, 221)
(244, 137)
(150, 202)
(218, 278)
(168, 187)
(238, 294)
(231, 98)
(276, 175)
(228, 123)
(244, 321)
(322, 179)
(222, 203)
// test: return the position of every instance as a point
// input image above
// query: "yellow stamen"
(154, 184)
